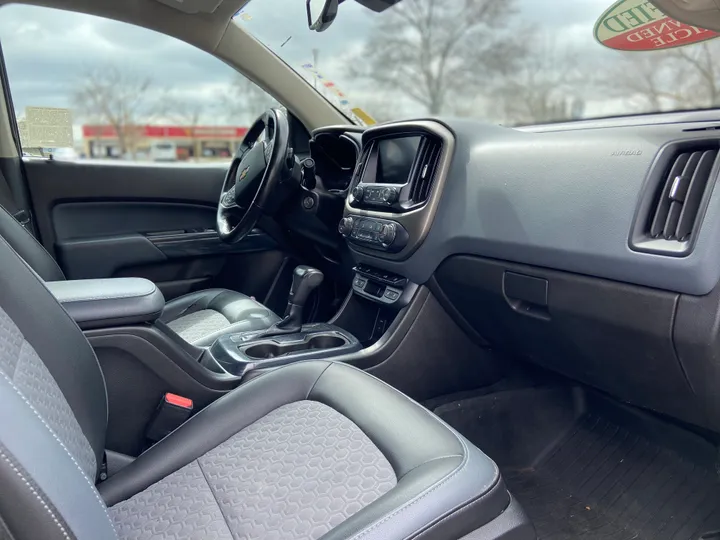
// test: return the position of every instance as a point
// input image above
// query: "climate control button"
(346, 226)
(374, 233)
(358, 193)
(388, 233)
(389, 195)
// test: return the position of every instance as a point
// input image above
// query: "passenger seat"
(313, 450)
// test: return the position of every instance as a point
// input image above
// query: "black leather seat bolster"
(213, 425)
(190, 303)
(220, 300)
(29, 248)
(49, 329)
(242, 312)
(439, 473)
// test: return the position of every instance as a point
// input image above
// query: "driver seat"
(199, 317)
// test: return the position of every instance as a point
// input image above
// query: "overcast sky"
(47, 50)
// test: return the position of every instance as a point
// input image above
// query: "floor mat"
(592, 477)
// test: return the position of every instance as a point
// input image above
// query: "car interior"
(429, 328)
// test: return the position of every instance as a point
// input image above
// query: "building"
(163, 143)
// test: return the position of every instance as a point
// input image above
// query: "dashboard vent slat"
(663, 208)
(682, 192)
(360, 167)
(695, 191)
(424, 170)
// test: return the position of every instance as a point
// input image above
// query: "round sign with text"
(637, 25)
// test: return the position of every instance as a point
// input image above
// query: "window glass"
(84, 87)
(499, 61)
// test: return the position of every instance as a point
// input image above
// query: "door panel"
(54, 182)
(154, 221)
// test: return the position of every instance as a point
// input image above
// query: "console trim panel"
(418, 221)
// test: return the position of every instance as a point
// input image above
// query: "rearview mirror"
(321, 13)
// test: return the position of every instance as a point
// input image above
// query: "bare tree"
(702, 88)
(243, 100)
(682, 78)
(546, 86)
(119, 97)
(434, 50)
(646, 89)
(189, 114)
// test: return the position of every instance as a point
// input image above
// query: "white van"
(163, 151)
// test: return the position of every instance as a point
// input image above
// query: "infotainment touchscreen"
(395, 159)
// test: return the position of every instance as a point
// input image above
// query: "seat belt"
(12, 184)
(10, 203)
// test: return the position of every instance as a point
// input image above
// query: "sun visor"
(193, 6)
(700, 13)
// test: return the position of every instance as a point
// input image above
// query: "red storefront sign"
(169, 132)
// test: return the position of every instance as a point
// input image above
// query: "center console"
(283, 343)
(393, 197)
(395, 189)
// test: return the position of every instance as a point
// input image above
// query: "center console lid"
(98, 303)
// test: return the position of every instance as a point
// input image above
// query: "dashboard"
(591, 248)
(560, 199)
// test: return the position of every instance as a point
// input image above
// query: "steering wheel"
(254, 175)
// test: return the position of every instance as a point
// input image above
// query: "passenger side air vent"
(670, 215)
(677, 209)
(424, 171)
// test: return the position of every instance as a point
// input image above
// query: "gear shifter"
(305, 280)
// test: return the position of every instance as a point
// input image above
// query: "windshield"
(504, 61)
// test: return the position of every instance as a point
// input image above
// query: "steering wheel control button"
(229, 197)
(268, 151)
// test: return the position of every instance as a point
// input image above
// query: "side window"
(84, 87)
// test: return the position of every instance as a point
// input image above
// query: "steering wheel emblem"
(243, 174)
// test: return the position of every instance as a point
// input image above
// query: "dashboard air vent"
(360, 167)
(681, 193)
(425, 169)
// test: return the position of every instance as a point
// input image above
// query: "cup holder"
(266, 350)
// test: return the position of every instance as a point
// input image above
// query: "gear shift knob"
(305, 280)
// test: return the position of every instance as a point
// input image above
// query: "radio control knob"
(387, 234)
(357, 193)
(346, 225)
(389, 195)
